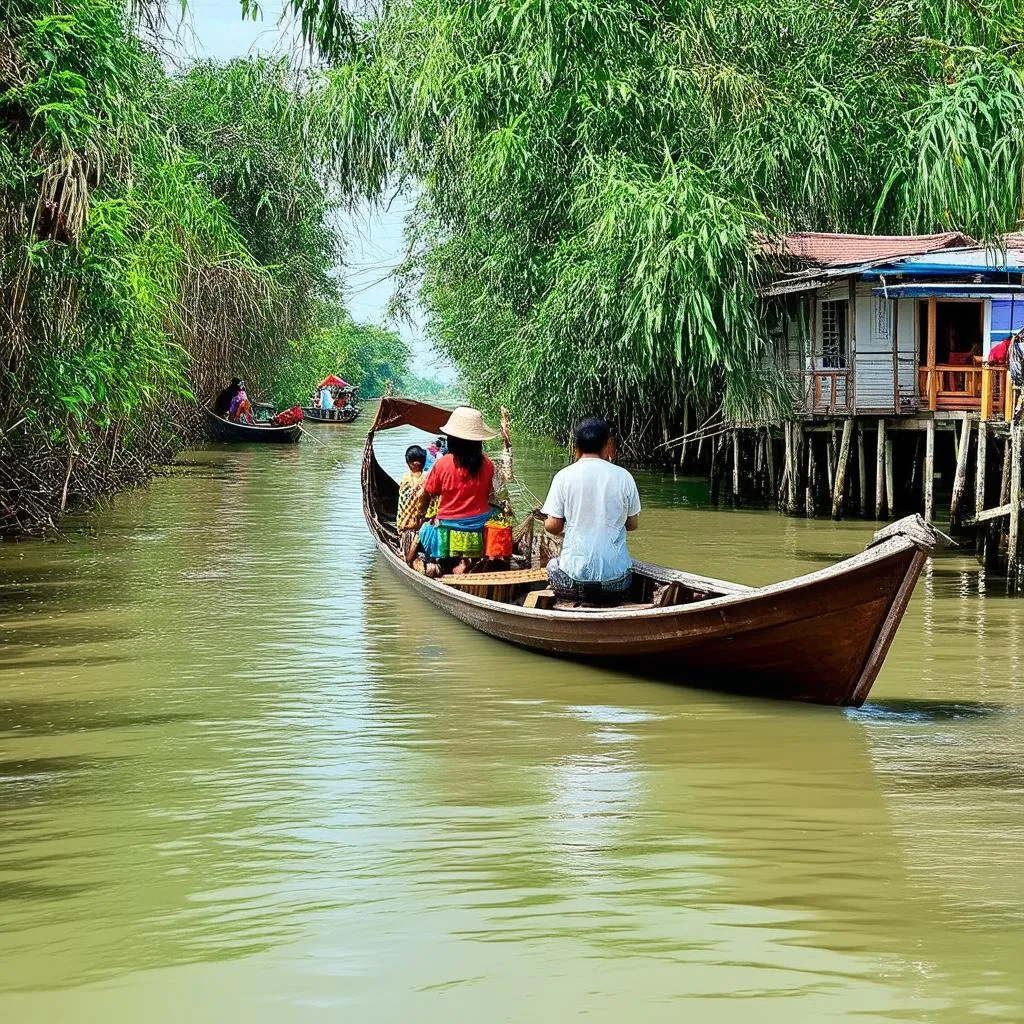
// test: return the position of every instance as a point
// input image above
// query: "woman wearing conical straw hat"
(463, 481)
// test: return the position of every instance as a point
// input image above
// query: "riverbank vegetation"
(593, 177)
(593, 180)
(158, 234)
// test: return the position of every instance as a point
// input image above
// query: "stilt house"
(897, 325)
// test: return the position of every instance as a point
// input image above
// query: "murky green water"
(245, 775)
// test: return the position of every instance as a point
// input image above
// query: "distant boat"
(311, 412)
(340, 389)
(263, 433)
(821, 637)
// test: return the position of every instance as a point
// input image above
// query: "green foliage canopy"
(594, 175)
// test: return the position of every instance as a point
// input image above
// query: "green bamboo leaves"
(593, 176)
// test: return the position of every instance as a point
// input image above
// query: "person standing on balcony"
(1010, 353)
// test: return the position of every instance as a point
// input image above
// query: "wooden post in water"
(880, 472)
(811, 478)
(716, 478)
(960, 478)
(786, 489)
(929, 470)
(980, 467)
(830, 458)
(839, 492)
(1013, 544)
(862, 472)
(979, 487)
(686, 430)
(735, 467)
(1004, 485)
(770, 453)
(890, 493)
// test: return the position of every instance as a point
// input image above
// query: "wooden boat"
(315, 415)
(821, 637)
(222, 429)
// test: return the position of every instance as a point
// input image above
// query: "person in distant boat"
(464, 481)
(593, 503)
(240, 411)
(412, 502)
(347, 407)
(435, 451)
(326, 402)
(222, 403)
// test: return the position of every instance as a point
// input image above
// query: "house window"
(834, 334)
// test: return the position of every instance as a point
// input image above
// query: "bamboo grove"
(158, 233)
(592, 176)
(591, 182)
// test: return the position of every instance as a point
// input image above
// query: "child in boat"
(412, 502)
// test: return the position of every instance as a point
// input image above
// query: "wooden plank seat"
(504, 578)
(501, 586)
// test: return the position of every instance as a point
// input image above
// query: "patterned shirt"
(411, 505)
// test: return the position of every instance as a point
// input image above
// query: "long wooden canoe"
(821, 637)
(264, 433)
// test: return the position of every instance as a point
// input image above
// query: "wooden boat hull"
(815, 642)
(248, 433)
(315, 415)
(820, 637)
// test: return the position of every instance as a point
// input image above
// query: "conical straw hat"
(468, 424)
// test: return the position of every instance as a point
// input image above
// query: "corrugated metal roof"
(833, 250)
(937, 288)
(1011, 260)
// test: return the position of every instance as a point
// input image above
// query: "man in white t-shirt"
(594, 502)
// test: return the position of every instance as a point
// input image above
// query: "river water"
(245, 775)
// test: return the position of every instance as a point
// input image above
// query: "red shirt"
(462, 495)
(999, 352)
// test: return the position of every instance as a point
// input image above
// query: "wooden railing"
(826, 391)
(998, 394)
(984, 388)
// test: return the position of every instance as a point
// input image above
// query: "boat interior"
(523, 580)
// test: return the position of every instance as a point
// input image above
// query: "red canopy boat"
(333, 381)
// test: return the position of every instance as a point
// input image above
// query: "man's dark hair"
(414, 453)
(592, 435)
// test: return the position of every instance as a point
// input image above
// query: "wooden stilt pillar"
(880, 472)
(979, 486)
(960, 478)
(890, 491)
(786, 490)
(1013, 552)
(811, 478)
(980, 467)
(798, 456)
(839, 491)
(769, 451)
(830, 463)
(686, 430)
(1004, 485)
(862, 472)
(928, 478)
(735, 467)
(717, 448)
